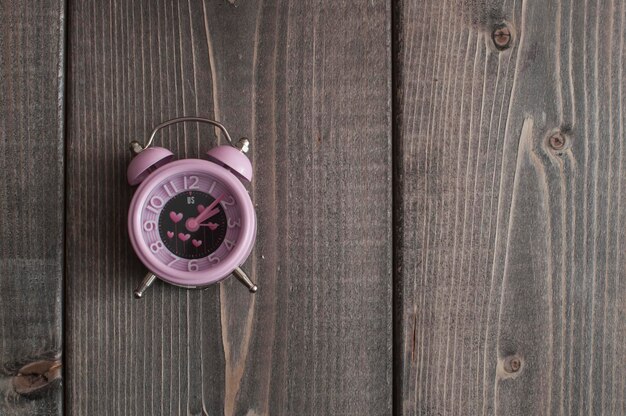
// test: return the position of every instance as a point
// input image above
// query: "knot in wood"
(36, 377)
(557, 141)
(512, 364)
(502, 36)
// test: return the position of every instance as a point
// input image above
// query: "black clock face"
(186, 241)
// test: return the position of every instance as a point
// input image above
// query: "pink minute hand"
(193, 224)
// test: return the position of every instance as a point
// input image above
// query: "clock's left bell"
(145, 162)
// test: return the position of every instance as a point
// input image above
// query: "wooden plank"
(310, 84)
(32, 206)
(508, 248)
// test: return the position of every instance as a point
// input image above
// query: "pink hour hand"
(212, 226)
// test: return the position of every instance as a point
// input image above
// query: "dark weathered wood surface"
(506, 247)
(310, 84)
(31, 203)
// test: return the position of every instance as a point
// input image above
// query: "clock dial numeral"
(173, 191)
(191, 182)
(236, 223)
(213, 258)
(156, 203)
(229, 244)
(228, 201)
(192, 266)
(149, 225)
(212, 188)
(156, 246)
(171, 263)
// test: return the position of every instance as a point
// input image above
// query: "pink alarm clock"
(191, 222)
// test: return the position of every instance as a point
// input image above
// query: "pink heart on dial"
(212, 226)
(170, 234)
(200, 208)
(196, 243)
(176, 217)
(183, 237)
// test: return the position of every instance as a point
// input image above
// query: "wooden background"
(507, 248)
(31, 206)
(419, 233)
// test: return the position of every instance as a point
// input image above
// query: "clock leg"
(145, 283)
(245, 280)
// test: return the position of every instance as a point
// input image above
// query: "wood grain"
(507, 248)
(31, 204)
(309, 83)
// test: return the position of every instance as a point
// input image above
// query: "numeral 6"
(192, 266)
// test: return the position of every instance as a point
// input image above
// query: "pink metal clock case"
(217, 272)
